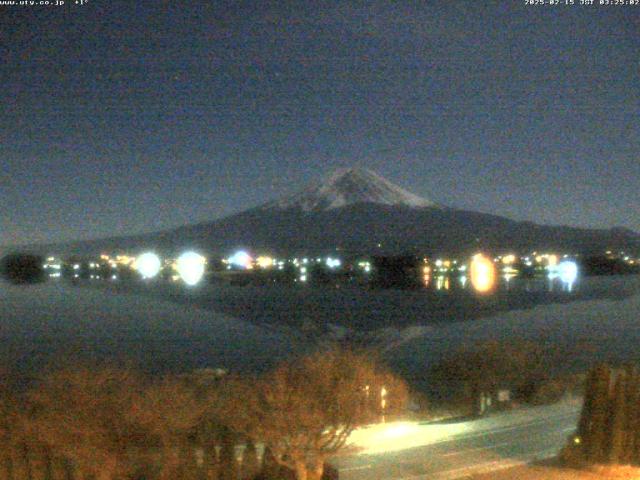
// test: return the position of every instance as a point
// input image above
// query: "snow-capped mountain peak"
(349, 186)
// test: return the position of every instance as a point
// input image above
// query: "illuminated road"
(413, 451)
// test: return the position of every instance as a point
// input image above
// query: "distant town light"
(191, 267)
(509, 259)
(240, 259)
(148, 265)
(265, 262)
(483, 274)
(333, 262)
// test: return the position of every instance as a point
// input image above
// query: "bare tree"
(109, 423)
(80, 414)
(168, 412)
(11, 433)
(306, 409)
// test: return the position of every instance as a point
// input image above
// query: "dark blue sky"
(120, 117)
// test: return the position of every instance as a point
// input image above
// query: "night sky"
(123, 117)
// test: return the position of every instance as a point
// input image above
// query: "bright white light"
(240, 259)
(395, 436)
(568, 271)
(333, 262)
(148, 264)
(191, 267)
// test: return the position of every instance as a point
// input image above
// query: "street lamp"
(383, 401)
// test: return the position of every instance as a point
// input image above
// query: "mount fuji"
(347, 187)
(356, 210)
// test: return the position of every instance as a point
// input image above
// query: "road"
(445, 451)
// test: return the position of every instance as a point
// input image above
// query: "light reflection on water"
(504, 283)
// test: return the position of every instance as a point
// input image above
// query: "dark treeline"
(604, 265)
(22, 268)
(108, 423)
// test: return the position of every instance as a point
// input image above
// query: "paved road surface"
(412, 451)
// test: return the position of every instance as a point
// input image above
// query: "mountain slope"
(358, 211)
(347, 187)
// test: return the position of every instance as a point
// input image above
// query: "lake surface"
(164, 327)
(364, 310)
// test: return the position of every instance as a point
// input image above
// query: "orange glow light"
(482, 273)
